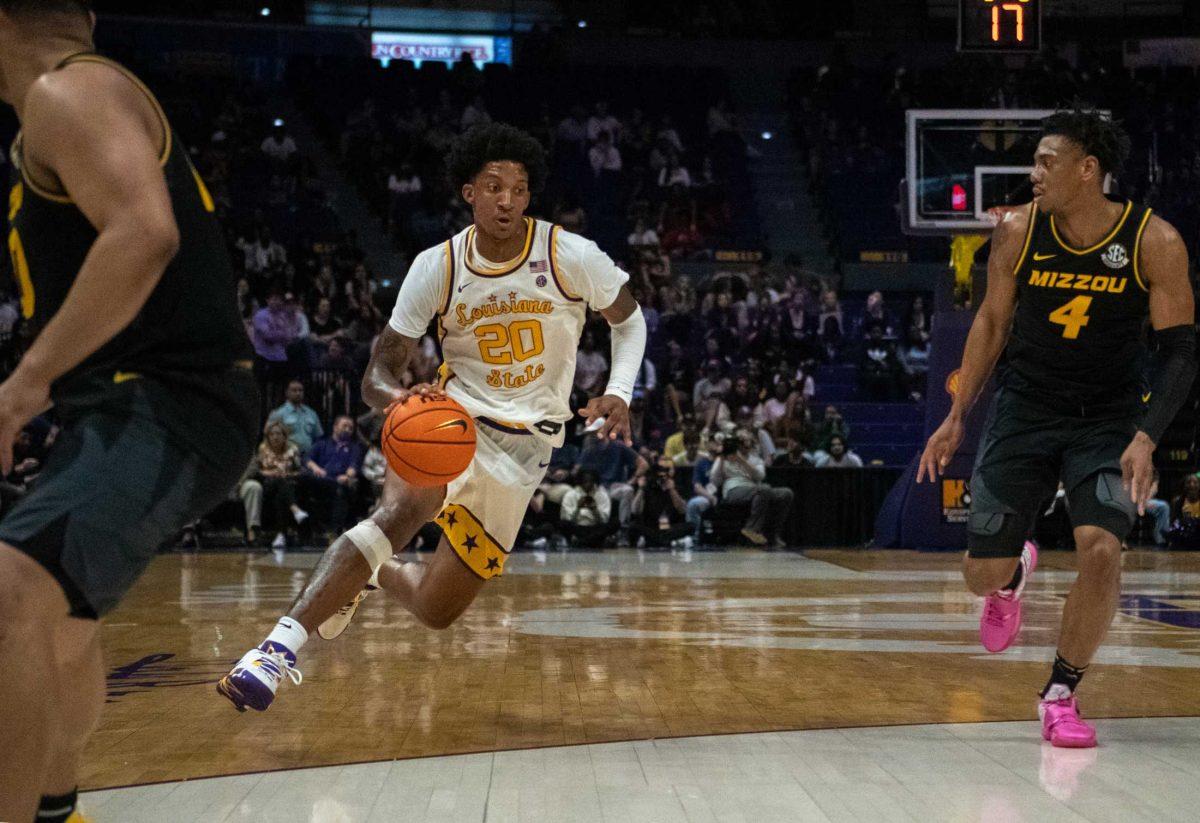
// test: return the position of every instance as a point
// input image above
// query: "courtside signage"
(417, 47)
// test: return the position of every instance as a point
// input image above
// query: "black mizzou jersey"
(190, 322)
(1077, 336)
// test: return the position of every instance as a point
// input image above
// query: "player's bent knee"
(986, 575)
(994, 528)
(28, 592)
(1097, 549)
(371, 542)
(438, 619)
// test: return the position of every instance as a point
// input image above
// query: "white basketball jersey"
(509, 337)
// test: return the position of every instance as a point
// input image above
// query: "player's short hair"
(27, 8)
(491, 143)
(1097, 134)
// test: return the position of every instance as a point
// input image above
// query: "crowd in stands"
(851, 126)
(729, 377)
(659, 169)
(726, 400)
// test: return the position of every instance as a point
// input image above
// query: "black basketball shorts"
(1026, 450)
(139, 457)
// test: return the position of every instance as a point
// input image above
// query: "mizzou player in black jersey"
(124, 274)
(1072, 278)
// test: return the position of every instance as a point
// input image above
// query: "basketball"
(428, 442)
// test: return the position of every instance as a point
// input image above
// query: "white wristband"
(628, 349)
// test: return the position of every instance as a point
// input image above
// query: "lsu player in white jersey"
(510, 296)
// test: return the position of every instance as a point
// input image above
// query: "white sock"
(289, 634)
(1057, 691)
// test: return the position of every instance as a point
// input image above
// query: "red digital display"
(1000, 25)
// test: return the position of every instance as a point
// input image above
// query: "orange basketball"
(428, 442)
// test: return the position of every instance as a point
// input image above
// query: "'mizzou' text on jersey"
(1078, 282)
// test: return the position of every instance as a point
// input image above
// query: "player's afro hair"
(491, 143)
(1098, 135)
(29, 7)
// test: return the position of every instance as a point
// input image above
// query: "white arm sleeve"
(421, 293)
(590, 274)
(628, 349)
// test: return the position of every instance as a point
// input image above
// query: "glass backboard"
(963, 163)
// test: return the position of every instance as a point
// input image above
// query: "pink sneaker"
(1063, 727)
(1001, 619)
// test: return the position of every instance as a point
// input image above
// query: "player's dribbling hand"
(1137, 470)
(615, 412)
(940, 449)
(426, 391)
(21, 398)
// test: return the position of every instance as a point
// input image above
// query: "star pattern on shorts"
(451, 519)
(471, 543)
(493, 564)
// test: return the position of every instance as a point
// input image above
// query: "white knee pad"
(372, 542)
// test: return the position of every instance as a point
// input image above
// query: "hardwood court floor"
(591, 648)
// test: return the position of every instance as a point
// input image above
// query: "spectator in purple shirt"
(331, 471)
(274, 329)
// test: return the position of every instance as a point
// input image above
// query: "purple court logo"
(541, 281)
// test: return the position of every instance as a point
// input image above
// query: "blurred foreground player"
(123, 272)
(510, 295)
(1071, 279)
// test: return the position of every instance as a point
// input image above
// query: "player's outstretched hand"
(1137, 470)
(427, 391)
(941, 447)
(21, 398)
(615, 412)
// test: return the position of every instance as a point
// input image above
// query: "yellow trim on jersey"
(1105, 241)
(1137, 247)
(554, 265)
(16, 198)
(530, 225)
(205, 198)
(449, 281)
(444, 374)
(63, 197)
(508, 424)
(133, 78)
(18, 154)
(1033, 210)
(478, 550)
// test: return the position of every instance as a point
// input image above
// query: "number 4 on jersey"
(1072, 317)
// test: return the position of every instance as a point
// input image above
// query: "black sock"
(1065, 674)
(1011, 586)
(57, 808)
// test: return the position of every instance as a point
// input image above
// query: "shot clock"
(1000, 25)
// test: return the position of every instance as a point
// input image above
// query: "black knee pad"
(1102, 501)
(994, 528)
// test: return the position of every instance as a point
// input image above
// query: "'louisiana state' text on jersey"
(509, 336)
(1077, 336)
